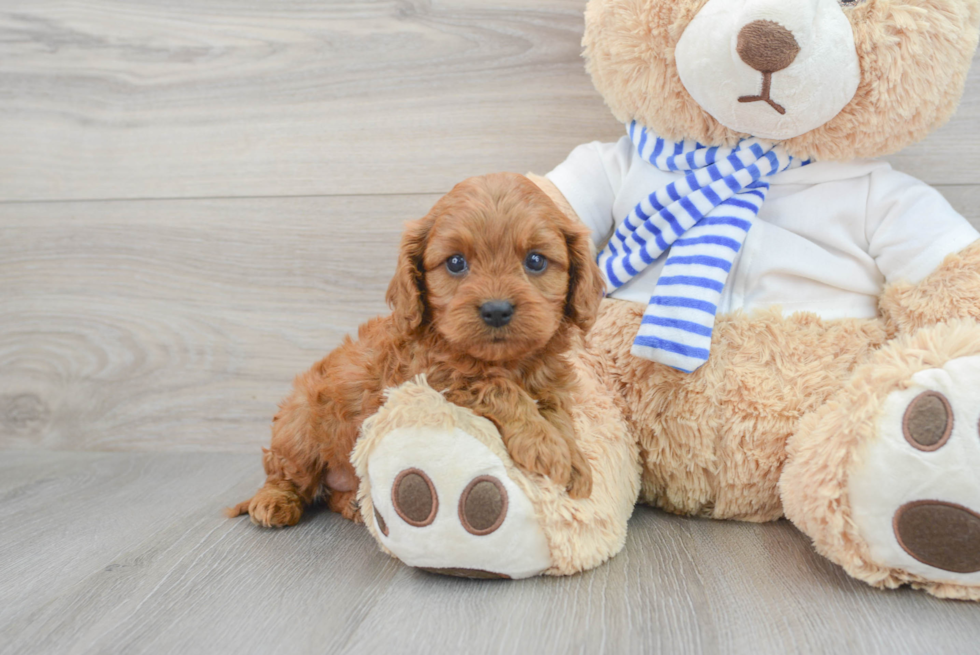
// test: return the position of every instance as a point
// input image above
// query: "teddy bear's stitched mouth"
(764, 96)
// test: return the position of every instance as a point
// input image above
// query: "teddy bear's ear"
(406, 293)
(585, 282)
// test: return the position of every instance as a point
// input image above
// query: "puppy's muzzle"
(497, 313)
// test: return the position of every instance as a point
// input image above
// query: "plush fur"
(515, 374)
(913, 54)
(713, 442)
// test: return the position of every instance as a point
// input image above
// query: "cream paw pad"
(916, 493)
(436, 491)
(443, 501)
(439, 491)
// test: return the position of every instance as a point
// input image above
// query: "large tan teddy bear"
(791, 328)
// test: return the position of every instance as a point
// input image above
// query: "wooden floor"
(198, 198)
(126, 553)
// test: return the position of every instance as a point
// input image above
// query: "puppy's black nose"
(496, 313)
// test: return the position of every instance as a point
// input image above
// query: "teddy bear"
(791, 328)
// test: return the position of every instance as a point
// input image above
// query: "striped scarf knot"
(703, 219)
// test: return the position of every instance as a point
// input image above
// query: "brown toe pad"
(928, 421)
(483, 505)
(414, 498)
(940, 534)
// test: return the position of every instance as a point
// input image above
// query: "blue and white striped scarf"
(703, 219)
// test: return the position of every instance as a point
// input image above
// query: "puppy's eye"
(457, 265)
(535, 262)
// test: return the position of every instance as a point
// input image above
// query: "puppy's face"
(499, 269)
(496, 276)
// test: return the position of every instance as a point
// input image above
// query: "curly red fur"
(515, 375)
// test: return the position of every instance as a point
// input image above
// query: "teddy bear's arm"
(559, 199)
(928, 253)
(951, 291)
(588, 182)
(556, 196)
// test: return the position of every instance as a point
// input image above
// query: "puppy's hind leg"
(293, 467)
(271, 507)
(341, 482)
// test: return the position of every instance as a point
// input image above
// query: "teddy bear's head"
(832, 79)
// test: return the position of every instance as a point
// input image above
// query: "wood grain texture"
(221, 98)
(133, 556)
(179, 324)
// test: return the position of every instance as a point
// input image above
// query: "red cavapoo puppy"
(490, 288)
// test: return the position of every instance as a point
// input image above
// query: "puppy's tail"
(237, 510)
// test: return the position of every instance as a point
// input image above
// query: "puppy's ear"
(585, 283)
(406, 293)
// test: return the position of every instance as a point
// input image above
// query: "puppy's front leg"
(534, 444)
(580, 485)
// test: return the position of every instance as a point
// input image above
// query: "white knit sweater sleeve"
(590, 179)
(911, 227)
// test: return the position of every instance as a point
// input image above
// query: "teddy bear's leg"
(713, 442)
(884, 477)
(439, 491)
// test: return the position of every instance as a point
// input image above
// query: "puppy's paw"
(273, 507)
(539, 448)
(580, 485)
(345, 504)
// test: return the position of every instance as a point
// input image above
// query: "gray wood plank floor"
(128, 553)
(199, 198)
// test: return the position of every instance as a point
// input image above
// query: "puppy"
(490, 289)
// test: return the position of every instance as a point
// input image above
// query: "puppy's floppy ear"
(585, 283)
(406, 293)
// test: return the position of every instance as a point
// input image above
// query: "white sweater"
(828, 238)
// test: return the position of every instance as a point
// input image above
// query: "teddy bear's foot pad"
(444, 502)
(915, 492)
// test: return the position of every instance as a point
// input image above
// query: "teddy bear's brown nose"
(766, 46)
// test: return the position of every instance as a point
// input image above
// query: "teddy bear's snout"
(774, 69)
(767, 46)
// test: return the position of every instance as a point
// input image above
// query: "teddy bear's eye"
(850, 3)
